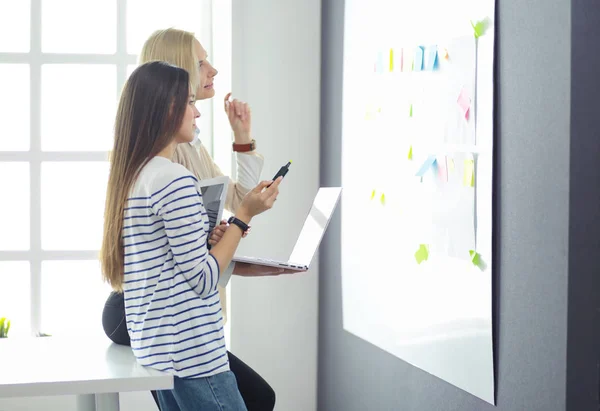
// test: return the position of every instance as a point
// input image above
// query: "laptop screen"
(214, 193)
(315, 225)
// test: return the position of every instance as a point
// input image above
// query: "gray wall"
(583, 350)
(539, 188)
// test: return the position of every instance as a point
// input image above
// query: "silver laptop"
(311, 235)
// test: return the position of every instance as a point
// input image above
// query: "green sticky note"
(477, 260)
(410, 111)
(479, 27)
(410, 155)
(373, 194)
(422, 253)
(382, 199)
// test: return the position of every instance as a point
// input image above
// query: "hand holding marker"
(282, 172)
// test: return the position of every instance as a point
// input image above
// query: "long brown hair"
(150, 112)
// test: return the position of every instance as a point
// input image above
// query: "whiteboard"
(417, 155)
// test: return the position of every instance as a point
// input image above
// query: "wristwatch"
(243, 226)
(244, 148)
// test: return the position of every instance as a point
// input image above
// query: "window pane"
(14, 106)
(146, 16)
(14, 304)
(14, 224)
(14, 26)
(73, 195)
(73, 296)
(79, 104)
(75, 26)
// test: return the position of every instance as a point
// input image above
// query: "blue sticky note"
(430, 63)
(430, 162)
(380, 62)
(418, 61)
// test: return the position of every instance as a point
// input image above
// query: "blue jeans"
(215, 393)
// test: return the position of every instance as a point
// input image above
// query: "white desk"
(93, 369)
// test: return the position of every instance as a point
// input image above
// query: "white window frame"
(121, 59)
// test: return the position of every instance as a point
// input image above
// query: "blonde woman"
(182, 49)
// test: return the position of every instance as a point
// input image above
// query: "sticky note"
(479, 27)
(407, 59)
(382, 199)
(380, 62)
(410, 111)
(445, 54)
(410, 153)
(430, 60)
(477, 260)
(426, 165)
(418, 61)
(391, 60)
(399, 54)
(469, 174)
(464, 103)
(373, 194)
(442, 166)
(422, 253)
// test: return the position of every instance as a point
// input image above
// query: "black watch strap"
(243, 226)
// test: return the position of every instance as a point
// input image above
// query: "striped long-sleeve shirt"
(172, 305)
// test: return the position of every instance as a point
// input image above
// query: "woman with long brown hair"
(182, 49)
(154, 246)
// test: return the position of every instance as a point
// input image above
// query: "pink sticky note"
(464, 103)
(443, 168)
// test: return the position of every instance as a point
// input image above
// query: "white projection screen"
(417, 169)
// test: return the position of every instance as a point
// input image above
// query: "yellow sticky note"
(373, 194)
(469, 174)
(410, 155)
(391, 60)
(382, 199)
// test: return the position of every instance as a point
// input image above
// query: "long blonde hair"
(176, 47)
(150, 112)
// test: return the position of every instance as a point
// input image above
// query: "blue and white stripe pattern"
(172, 305)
